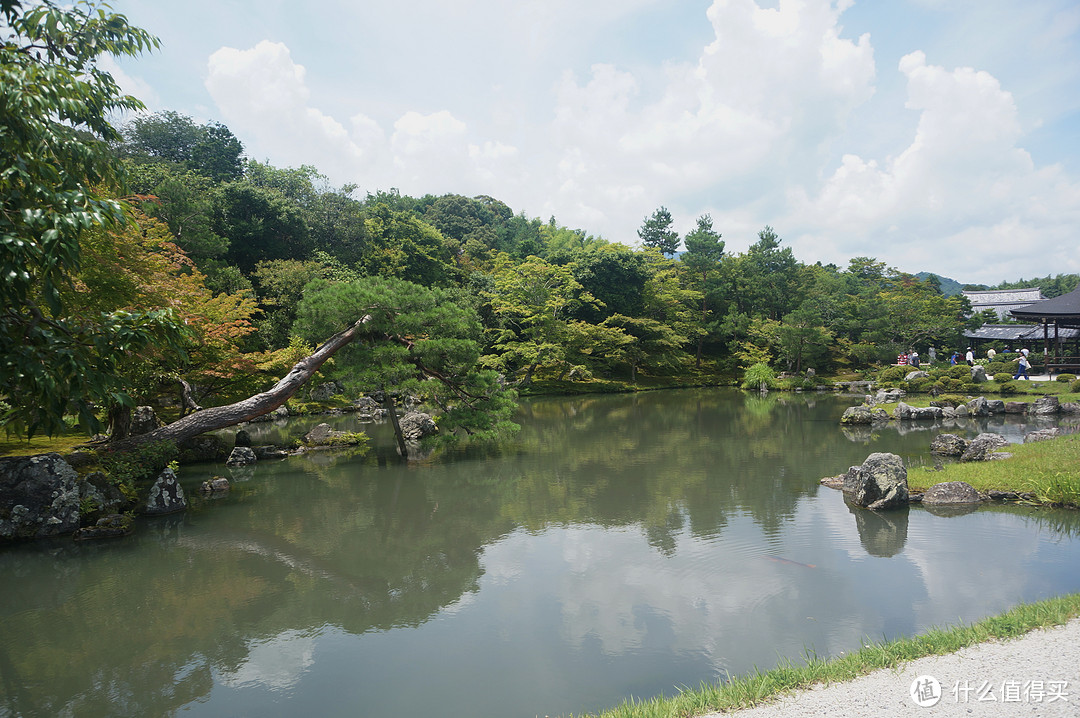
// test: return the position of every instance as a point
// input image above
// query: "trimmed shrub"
(960, 371)
(997, 367)
(1067, 378)
(920, 385)
(1003, 377)
(892, 374)
(1075, 386)
(1008, 386)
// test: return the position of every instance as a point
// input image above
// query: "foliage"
(126, 469)
(1066, 378)
(759, 376)
(656, 232)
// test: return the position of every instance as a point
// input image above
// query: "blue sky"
(938, 135)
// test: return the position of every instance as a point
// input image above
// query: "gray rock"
(416, 425)
(863, 415)
(982, 447)
(948, 445)
(216, 485)
(978, 407)
(1016, 407)
(241, 456)
(325, 391)
(917, 374)
(887, 396)
(961, 410)
(270, 452)
(999, 441)
(880, 483)
(906, 411)
(1046, 406)
(96, 490)
(978, 374)
(948, 412)
(1070, 407)
(951, 492)
(39, 496)
(166, 495)
(995, 406)
(319, 435)
(111, 526)
(144, 420)
(204, 447)
(243, 438)
(1042, 435)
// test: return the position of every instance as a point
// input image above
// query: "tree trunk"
(391, 410)
(187, 400)
(218, 417)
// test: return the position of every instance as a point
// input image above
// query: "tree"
(56, 172)
(704, 250)
(211, 150)
(656, 232)
(260, 224)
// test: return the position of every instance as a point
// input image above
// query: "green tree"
(415, 339)
(704, 250)
(656, 232)
(211, 150)
(260, 224)
(56, 170)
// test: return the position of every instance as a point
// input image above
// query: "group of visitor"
(1023, 364)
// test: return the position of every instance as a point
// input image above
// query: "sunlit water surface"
(621, 546)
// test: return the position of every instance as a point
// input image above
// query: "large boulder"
(1070, 407)
(983, 446)
(320, 434)
(978, 374)
(166, 495)
(1016, 407)
(325, 391)
(995, 406)
(978, 406)
(917, 374)
(888, 396)
(863, 415)
(204, 447)
(39, 496)
(1046, 406)
(1042, 435)
(416, 425)
(241, 456)
(951, 492)
(102, 497)
(144, 420)
(948, 445)
(906, 411)
(880, 483)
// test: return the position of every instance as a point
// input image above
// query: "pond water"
(621, 546)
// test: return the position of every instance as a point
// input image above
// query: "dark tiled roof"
(1019, 332)
(1064, 309)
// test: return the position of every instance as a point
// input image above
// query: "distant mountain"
(949, 287)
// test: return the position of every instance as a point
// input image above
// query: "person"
(1023, 367)
(954, 358)
(991, 353)
(915, 359)
(970, 357)
(1025, 352)
(901, 359)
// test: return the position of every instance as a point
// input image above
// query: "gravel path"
(1035, 675)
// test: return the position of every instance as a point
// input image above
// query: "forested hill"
(949, 287)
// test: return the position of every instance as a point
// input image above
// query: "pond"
(620, 546)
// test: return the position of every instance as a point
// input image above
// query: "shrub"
(1067, 378)
(126, 468)
(1008, 386)
(996, 367)
(960, 371)
(920, 385)
(891, 374)
(1075, 386)
(1003, 377)
(759, 375)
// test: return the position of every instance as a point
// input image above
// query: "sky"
(932, 135)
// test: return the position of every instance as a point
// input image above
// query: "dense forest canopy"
(156, 255)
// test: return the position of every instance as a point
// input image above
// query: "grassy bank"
(1048, 469)
(762, 686)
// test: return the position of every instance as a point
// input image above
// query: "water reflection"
(624, 545)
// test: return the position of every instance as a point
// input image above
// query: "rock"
(995, 406)
(243, 438)
(947, 412)
(111, 526)
(978, 374)
(325, 391)
(204, 447)
(917, 374)
(39, 496)
(888, 396)
(961, 410)
(1046, 406)
(269, 452)
(833, 482)
(948, 445)
(982, 447)
(1042, 435)
(103, 496)
(166, 495)
(863, 415)
(995, 495)
(951, 492)
(216, 485)
(416, 425)
(1070, 407)
(319, 435)
(144, 420)
(906, 411)
(1016, 407)
(978, 407)
(241, 456)
(880, 483)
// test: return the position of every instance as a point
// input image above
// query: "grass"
(12, 445)
(1048, 469)
(762, 686)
